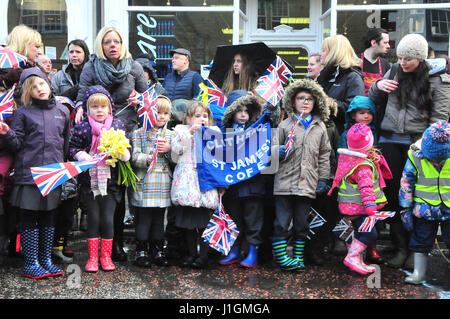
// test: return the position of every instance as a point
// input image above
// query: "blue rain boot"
(45, 251)
(281, 256)
(252, 258)
(234, 256)
(30, 246)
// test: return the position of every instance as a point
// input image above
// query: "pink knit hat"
(359, 138)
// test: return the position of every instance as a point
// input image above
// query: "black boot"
(118, 253)
(400, 239)
(157, 251)
(191, 247)
(202, 260)
(142, 258)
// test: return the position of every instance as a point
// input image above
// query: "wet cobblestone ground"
(331, 281)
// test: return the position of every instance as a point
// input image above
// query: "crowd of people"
(359, 135)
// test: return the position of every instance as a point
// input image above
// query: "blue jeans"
(424, 233)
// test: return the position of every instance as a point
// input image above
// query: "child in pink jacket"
(360, 180)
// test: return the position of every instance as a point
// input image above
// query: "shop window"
(193, 3)
(272, 13)
(199, 32)
(297, 58)
(47, 17)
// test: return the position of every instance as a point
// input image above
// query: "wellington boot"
(353, 260)
(105, 255)
(234, 256)
(92, 263)
(252, 258)
(420, 268)
(45, 251)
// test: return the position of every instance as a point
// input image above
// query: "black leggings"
(31, 219)
(149, 223)
(100, 213)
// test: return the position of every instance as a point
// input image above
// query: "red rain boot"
(105, 256)
(92, 263)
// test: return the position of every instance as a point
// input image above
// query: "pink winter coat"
(363, 177)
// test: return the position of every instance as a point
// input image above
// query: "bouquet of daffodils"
(115, 143)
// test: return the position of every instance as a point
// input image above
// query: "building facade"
(292, 28)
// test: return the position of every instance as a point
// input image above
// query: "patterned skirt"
(154, 189)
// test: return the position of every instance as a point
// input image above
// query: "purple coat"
(38, 135)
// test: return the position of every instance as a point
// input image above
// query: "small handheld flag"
(344, 230)
(284, 74)
(7, 104)
(49, 177)
(10, 59)
(315, 221)
(369, 221)
(221, 231)
(148, 110)
(65, 100)
(269, 87)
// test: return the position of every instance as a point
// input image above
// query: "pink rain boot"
(353, 260)
(92, 263)
(105, 256)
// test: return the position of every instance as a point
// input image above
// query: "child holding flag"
(425, 195)
(99, 189)
(193, 208)
(152, 194)
(244, 201)
(360, 180)
(304, 167)
(38, 135)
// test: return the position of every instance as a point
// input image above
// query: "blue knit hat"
(234, 95)
(436, 142)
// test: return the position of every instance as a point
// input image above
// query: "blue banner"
(224, 159)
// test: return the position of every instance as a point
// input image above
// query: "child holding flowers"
(152, 194)
(101, 179)
(193, 208)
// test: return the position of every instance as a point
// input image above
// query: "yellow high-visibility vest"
(432, 187)
(349, 192)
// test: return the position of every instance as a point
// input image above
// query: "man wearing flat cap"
(182, 82)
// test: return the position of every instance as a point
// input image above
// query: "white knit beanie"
(413, 46)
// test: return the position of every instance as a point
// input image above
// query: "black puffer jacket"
(342, 85)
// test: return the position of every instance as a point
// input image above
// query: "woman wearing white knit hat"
(415, 100)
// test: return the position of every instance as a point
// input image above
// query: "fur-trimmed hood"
(253, 107)
(321, 108)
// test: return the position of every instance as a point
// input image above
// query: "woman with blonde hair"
(341, 76)
(112, 67)
(27, 42)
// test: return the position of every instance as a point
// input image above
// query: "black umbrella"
(259, 53)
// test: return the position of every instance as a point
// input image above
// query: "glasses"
(109, 42)
(304, 99)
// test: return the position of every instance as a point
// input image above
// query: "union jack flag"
(370, 221)
(269, 87)
(344, 230)
(65, 100)
(290, 139)
(221, 231)
(215, 95)
(155, 153)
(315, 221)
(282, 70)
(7, 104)
(49, 177)
(148, 111)
(9, 59)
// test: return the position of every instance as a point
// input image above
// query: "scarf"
(101, 172)
(108, 74)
